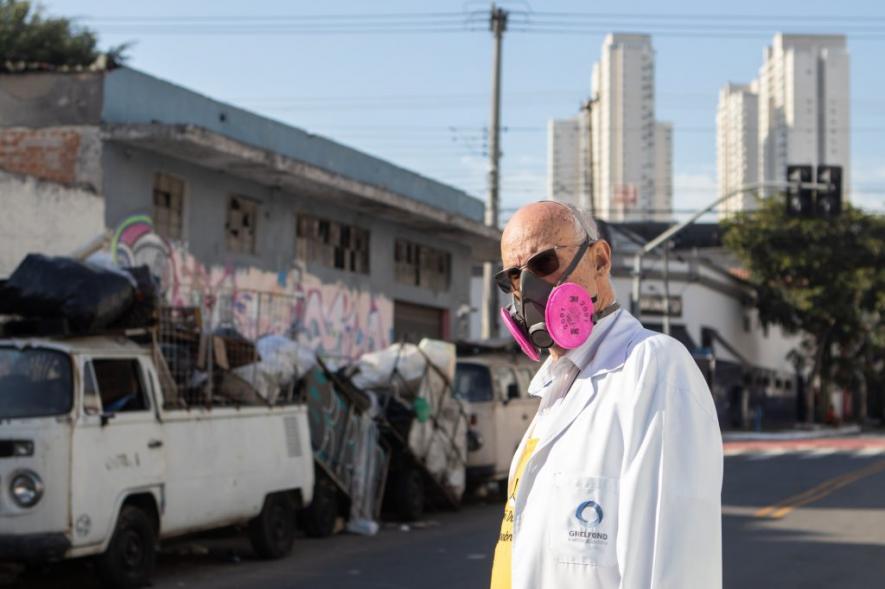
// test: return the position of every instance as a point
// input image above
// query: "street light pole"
(672, 231)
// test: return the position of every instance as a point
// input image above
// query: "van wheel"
(408, 494)
(502, 485)
(129, 560)
(318, 518)
(272, 533)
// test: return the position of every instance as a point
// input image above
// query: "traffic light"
(828, 201)
(800, 200)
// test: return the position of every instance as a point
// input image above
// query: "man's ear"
(603, 257)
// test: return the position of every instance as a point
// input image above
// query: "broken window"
(420, 265)
(168, 206)
(242, 216)
(332, 244)
(120, 385)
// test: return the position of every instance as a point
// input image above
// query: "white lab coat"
(636, 444)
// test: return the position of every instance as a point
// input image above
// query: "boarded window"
(168, 206)
(332, 244)
(420, 265)
(242, 217)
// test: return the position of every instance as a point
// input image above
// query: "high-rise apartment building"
(804, 114)
(623, 127)
(737, 133)
(614, 158)
(662, 203)
(564, 166)
(796, 112)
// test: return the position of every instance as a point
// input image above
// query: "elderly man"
(617, 481)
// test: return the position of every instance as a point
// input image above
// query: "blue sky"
(422, 100)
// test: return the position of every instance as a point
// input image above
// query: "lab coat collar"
(579, 357)
(611, 355)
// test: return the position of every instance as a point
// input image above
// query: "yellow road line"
(782, 508)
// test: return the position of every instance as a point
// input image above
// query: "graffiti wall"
(332, 319)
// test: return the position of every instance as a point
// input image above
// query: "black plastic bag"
(146, 299)
(88, 297)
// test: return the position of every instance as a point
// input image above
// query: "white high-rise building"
(623, 128)
(737, 132)
(564, 160)
(614, 158)
(804, 114)
(662, 203)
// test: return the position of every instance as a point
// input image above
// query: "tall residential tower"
(804, 113)
(614, 158)
(624, 127)
(737, 132)
(796, 112)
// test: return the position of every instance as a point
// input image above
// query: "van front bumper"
(33, 547)
(480, 473)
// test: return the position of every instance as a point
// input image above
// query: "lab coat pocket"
(584, 520)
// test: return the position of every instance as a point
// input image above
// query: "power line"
(665, 25)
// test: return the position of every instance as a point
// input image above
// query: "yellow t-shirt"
(502, 565)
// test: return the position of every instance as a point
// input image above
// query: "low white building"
(712, 313)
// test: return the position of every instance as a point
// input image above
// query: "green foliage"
(31, 41)
(822, 277)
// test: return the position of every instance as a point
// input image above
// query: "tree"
(823, 278)
(31, 41)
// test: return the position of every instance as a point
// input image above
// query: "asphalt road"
(794, 515)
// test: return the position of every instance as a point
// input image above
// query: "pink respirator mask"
(561, 314)
(564, 317)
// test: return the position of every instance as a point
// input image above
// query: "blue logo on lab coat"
(589, 513)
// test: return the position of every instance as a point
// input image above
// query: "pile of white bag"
(282, 362)
(440, 441)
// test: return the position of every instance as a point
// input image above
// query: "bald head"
(538, 226)
(543, 225)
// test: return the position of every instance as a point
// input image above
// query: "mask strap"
(575, 260)
(600, 315)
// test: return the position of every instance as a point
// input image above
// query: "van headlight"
(26, 488)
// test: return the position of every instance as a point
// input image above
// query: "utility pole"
(497, 24)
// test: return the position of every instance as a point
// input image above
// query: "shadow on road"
(755, 555)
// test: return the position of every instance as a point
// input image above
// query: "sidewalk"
(818, 432)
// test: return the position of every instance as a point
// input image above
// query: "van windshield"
(34, 383)
(473, 382)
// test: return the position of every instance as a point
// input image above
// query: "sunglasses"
(543, 263)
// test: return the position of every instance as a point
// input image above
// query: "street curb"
(848, 430)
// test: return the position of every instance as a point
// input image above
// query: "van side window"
(528, 374)
(473, 382)
(507, 381)
(91, 401)
(120, 385)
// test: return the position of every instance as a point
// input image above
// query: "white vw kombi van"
(94, 463)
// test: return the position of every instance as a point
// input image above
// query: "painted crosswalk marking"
(871, 451)
(804, 453)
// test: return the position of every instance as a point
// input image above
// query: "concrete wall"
(45, 100)
(44, 217)
(128, 181)
(68, 155)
